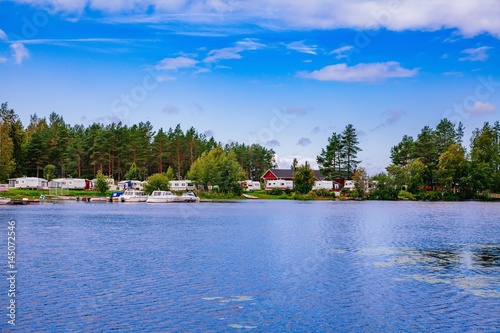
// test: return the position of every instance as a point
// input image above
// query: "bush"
(288, 191)
(430, 196)
(405, 195)
(323, 192)
(386, 193)
(276, 191)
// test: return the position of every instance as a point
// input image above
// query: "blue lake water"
(255, 266)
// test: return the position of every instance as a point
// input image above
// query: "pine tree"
(350, 149)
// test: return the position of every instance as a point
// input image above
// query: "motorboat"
(134, 196)
(161, 197)
(115, 196)
(189, 197)
(4, 201)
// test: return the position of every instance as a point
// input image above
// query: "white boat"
(4, 201)
(161, 197)
(134, 196)
(188, 197)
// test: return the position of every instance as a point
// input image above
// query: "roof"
(288, 174)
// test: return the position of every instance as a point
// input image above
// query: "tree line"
(115, 149)
(438, 160)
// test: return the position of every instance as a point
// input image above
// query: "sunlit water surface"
(259, 266)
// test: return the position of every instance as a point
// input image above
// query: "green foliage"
(401, 154)
(217, 168)
(385, 189)
(429, 196)
(303, 179)
(338, 159)
(101, 185)
(254, 159)
(133, 173)
(324, 193)
(157, 181)
(405, 195)
(350, 149)
(49, 172)
(276, 191)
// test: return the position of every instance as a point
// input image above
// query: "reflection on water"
(475, 269)
(258, 266)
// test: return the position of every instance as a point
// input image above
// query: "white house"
(181, 185)
(27, 182)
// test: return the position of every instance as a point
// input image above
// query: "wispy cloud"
(170, 109)
(3, 35)
(174, 64)
(196, 108)
(340, 52)
(234, 52)
(209, 133)
(301, 47)
(316, 130)
(61, 41)
(298, 110)
(476, 54)
(469, 17)
(272, 143)
(480, 108)
(3, 60)
(19, 52)
(360, 73)
(304, 142)
(391, 117)
(285, 162)
(453, 74)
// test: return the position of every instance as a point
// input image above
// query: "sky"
(285, 74)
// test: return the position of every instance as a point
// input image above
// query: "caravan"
(27, 182)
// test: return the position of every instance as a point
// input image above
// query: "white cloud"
(477, 54)
(3, 35)
(223, 54)
(301, 47)
(248, 44)
(304, 142)
(3, 60)
(480, 108)
(469, 17)
(360, 73)
(175, 63)
(19, 52)
(341, 51)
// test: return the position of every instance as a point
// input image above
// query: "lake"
(255, 266)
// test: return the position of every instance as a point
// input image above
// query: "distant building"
(283, 179)
(71, 183)
(27, 182)
(250, 185)
(181, 185)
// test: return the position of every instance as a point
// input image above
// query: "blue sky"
(284, 74)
